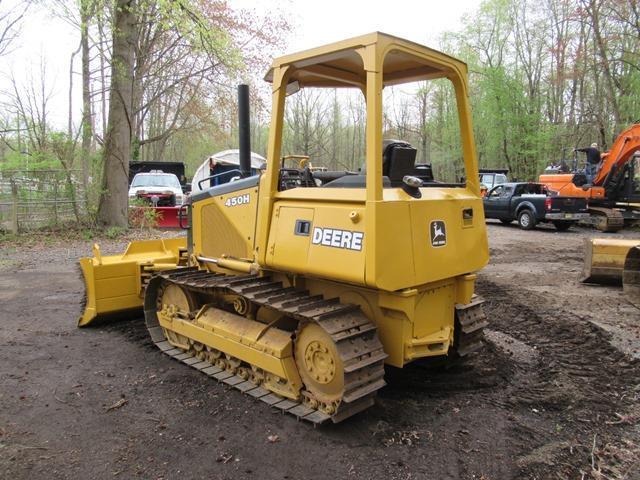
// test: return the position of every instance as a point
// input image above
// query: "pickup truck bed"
(532, 203)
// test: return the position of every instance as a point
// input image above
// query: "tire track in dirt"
(575, 378)
(576, 366)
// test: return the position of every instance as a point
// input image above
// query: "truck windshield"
(492, 179)
(156, 181)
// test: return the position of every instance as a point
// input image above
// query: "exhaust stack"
(244, 135)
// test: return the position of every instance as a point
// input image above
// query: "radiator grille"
(219, 236)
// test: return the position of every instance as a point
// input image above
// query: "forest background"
(545, 77)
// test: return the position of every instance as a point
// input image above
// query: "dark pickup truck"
(530, 203)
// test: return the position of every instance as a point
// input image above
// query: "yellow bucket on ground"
(631, 276)
(614, 261)
(114, 284)
(604, 259)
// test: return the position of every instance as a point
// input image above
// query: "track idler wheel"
(176, 301)
(320, 367)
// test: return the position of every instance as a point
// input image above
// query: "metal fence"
(40, 198)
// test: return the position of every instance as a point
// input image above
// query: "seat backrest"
(398, 160)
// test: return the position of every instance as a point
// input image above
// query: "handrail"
(216, 176)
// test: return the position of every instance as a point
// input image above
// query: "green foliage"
(87, 234)
(202, 34)
(39, 160)
(537, 82)
(142, 216)
(114, 232)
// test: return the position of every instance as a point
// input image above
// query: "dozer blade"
(604, 259)
(631, 276)
(114, 285)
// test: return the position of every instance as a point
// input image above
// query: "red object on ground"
(168, 217)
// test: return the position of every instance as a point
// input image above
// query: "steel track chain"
(472, 321)
(608, 219)
(354, 334)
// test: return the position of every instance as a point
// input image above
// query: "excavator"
(298, 292)
(614, 192)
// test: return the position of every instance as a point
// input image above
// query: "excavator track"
(353, 334)
(607, 219)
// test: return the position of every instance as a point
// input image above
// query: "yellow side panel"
(290, 250)
(225, 224)
(395, 267)
(462, 249)
(339, 263)
(208, 335)
(402, 252)
(326, 251)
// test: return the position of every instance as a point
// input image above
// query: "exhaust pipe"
(244, 132)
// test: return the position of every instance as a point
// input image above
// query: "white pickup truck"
(158, 188)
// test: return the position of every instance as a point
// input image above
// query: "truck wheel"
(506, 221)
(562, 226)
(526, 220)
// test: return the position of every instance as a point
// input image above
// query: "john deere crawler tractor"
(296, 287)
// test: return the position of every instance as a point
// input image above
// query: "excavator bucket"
(631, 276)
(604, 259)
(114, 285)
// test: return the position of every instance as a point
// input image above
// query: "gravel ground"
(553, 395)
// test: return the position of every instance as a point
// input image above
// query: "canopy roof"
(226, 157)
(340, 65)
(232, 157)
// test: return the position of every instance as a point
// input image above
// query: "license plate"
(568, 215)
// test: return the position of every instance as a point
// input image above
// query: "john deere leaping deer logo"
(438, 233)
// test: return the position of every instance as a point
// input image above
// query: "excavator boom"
(622, 150)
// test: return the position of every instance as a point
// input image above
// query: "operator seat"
(398, 160)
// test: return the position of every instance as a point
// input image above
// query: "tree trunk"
(70, 99)
(112, 211)
(87, 130)
(608, 75)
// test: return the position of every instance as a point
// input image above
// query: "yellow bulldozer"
(298, 290)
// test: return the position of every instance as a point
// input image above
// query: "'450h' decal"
(239, 200)
(332, 237)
